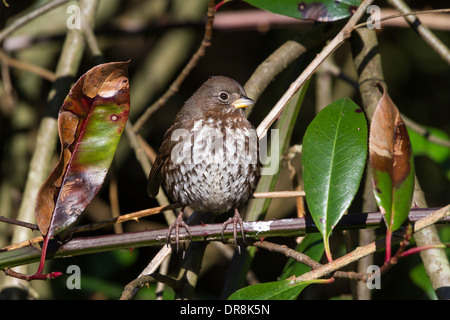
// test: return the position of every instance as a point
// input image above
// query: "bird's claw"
(235, 220)
(176, 225)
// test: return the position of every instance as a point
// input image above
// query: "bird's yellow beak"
(243, 102)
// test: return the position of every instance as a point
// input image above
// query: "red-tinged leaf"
(392, 165)
(317, 10)
(91, 122)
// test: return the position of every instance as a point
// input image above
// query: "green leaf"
(317, 10)
(420, 278)
(277, 290)
(312, 246)
(333, 157)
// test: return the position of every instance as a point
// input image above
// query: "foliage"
(31, 97)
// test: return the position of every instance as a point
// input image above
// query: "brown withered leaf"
(390, 147)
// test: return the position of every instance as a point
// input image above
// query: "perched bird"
(208, 159)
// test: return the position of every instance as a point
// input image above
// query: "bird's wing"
(154, 178)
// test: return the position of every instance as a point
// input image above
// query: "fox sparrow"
(209, 156)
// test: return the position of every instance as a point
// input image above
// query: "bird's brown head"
(218, 95)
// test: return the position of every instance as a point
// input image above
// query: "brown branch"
(30, 226)
(428, 36)
(386, 16)
(30, 277)
(303, 258)
(288, 252)
(88, 227)
(213, 232)
(174, 87)
(279, 194)
(361, 252)
(30, 17)
(129, 290)
(335, 43)
(22, 65)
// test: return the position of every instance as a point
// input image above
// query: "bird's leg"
(178, 222)
(235, 220)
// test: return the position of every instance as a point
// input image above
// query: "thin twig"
(151, 268)
(428, 36)
(31, 226)
(30, 17)
(288, 252)
(22, 65)
(130, 288)
(279, 194)
(9, 96)
(91, 41)
(30, 277)
(174, 87)
(399, 15)
(303, 258)
(337, 41)
(425, 133)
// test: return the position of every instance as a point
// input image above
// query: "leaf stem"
(388, 245)
(326, 243)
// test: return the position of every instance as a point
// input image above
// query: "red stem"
(221, 3)
(418, 249)
(388, 246)
(43, 255)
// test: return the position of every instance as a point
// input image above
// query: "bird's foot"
(235, 220)
(176, 225)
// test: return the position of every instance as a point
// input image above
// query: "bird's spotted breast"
(215, 167)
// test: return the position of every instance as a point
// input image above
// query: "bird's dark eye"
(223, 96)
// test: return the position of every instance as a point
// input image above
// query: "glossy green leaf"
(277, 290)
(333, 158)
(392, 163)
(91, 122)
(318, 10)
